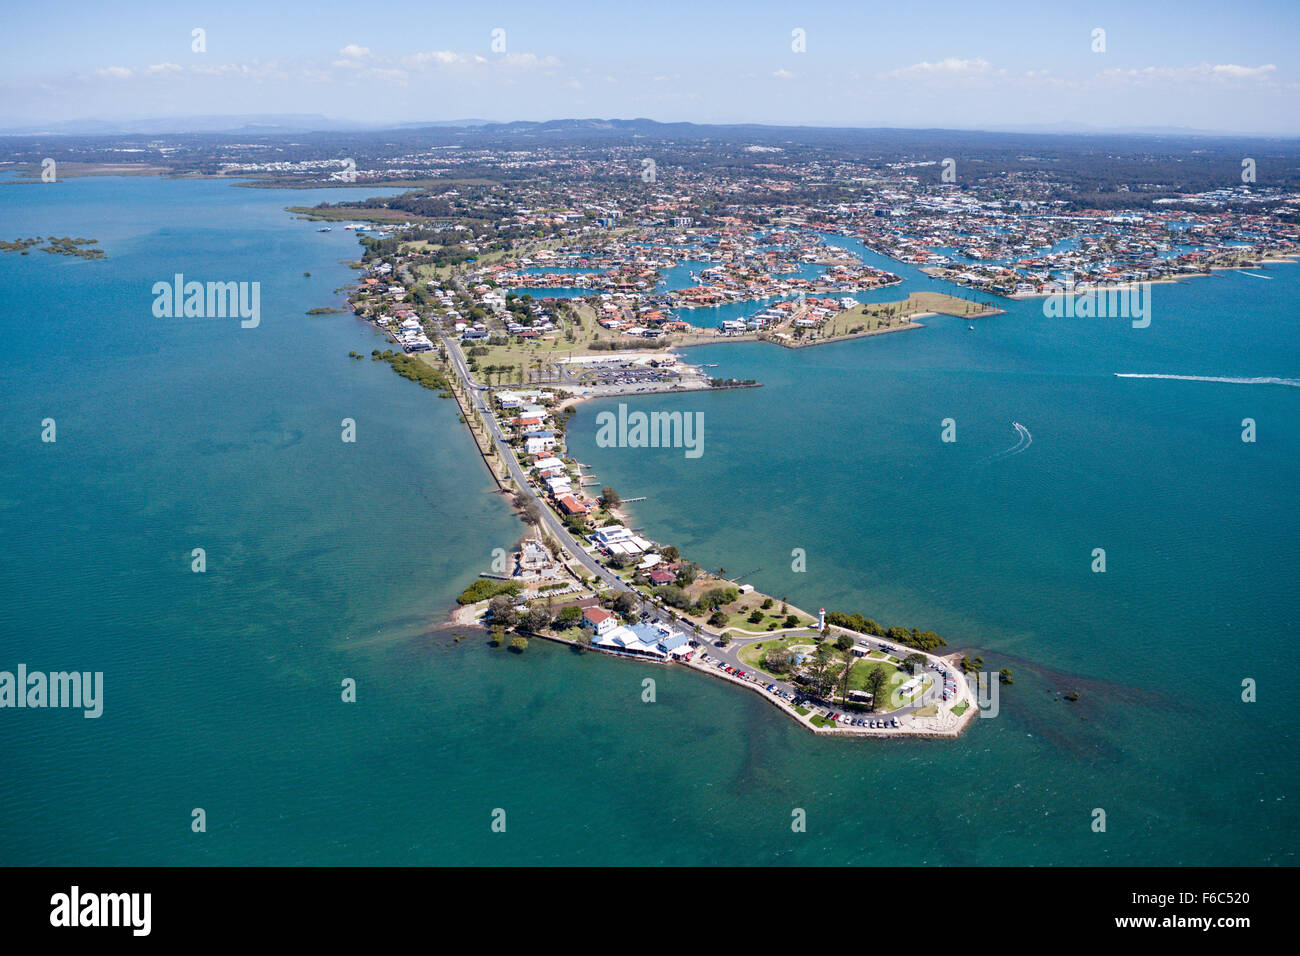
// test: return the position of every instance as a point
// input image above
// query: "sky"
(1224, 66)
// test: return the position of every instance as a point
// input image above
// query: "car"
(873, 722)
(895, 719)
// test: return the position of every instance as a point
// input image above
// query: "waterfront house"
(599, 621)
(571, 505)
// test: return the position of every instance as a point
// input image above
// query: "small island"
(62, 246)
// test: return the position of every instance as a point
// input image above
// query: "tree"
(609, 498)
(767, 603)
(1004, 676)
(843, 642)
(822, 664)
(538, 618)
(913, 663)
(501, 609)
(568, 616)
(778, 660)
(843, 679)
(519, 644)
(717, 619)
(625, 602)
(670, 554)
(755, 616)
(875, 684)
(498, 636)
(792, 620)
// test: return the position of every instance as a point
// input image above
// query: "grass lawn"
(960, 708)
(801, 711)
(752, 654)
(819, 721)
(858, 679)
(930, 711)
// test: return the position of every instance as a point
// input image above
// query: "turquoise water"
(329, 560)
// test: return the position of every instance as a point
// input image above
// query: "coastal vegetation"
(485, 588)
(410, 367)
(909, 637)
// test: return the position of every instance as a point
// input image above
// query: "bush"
(717, 619)
(485, 588)
(673, 596)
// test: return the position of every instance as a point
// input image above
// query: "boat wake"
(1025, 440)
(1269, 380)
(1256, 276)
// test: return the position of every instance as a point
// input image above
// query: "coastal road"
(549, 519)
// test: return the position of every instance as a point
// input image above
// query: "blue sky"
(1224, 66)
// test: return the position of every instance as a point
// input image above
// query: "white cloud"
(1187, 74)
(528, 61)
(165, 68)
(354, 52)
(1233, 70)
(115, 72)
(949, 66)
(439, 58)
(783, 74)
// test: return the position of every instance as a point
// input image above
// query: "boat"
(971, 327)
(324, 229)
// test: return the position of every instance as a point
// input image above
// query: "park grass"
(960, 708)
(883, 316)
(752, 654)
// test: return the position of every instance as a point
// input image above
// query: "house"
(571, 506)
(661, 576)
(617, 539)
(537, 442)
(599, 621)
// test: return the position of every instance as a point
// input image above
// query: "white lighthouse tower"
(821, 619)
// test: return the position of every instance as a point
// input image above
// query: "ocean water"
(328, 560)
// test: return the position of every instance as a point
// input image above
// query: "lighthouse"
(821, 619)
